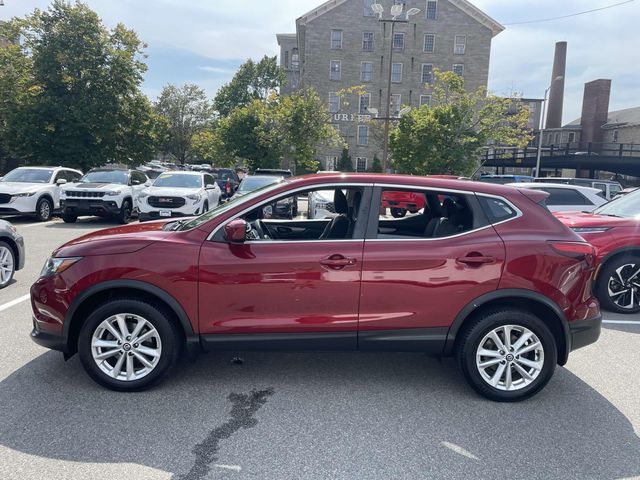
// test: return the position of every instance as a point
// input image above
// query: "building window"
(396, 72)
(425, 100)
(460, 44)
(334, 102)
(429, 43)
(533, 107)
(336, 39)
(361, 164)
(432, 9)
(615, 136)
(366, 71)
(368, 8)
(363, 136)
(396, 100)
(286, 59)
(365, 102)
(398, 42)
(427, 73)
(295, 59)
(367, 41)
(572, 137)
(330, 163)
(556, 139)
(336, 70)
(458, 69)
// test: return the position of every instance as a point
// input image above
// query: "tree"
(253, 81)
(209, 148)
(345, 164)
(80, 103)
(187, 112)
(376, 166)
(448, 137)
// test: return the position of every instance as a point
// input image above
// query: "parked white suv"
(178, 194)
(567, 198)
(105, 192)
(34, 190)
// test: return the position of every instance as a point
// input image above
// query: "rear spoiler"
(537, 196)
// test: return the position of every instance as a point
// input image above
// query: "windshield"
(28, 175)
(627, 206)
(178, 181)
(250, 184)
(225, 207)
(106, 176)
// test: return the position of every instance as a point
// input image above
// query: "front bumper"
(585, 332)
(89, 207)
(148, 216)
(19, 240)
(19, 205)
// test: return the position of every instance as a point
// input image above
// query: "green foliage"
(187, 112)
(447, 138)
(376, 166)
(208, 147)
(253, 81)
(345, 164)
(80, 102)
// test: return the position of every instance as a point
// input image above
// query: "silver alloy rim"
(624, 286)
(126, 347)
(44, 209)
(510, 357)
(6, 265)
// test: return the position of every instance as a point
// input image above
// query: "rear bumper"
(89, 207)
(585, 332)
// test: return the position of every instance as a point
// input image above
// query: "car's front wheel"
(618, 287)
(126, 210)
(398, 212)
(44, 210)
(128, 344)
(69, 218)
(507, 355)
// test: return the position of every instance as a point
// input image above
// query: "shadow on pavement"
(338, 415)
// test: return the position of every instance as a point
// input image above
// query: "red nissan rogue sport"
(482, 272)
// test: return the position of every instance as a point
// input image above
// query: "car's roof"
(182, 172)
(569, 179)
(566, 186)
(270, 177)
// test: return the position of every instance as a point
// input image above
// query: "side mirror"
(210, 187)
(235, 231)
(135, 182)
(61, 181)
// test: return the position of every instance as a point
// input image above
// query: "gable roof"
(464, 5)
(617, 118)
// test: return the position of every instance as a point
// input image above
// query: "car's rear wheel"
(398, 212)
(618, 287)
(69, 218)
(205, 208)
(44, 210)
(128, 344)
(507, 355)
(7, 264)
(124, 216)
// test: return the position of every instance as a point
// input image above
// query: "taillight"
(578, 250)
(227, 187)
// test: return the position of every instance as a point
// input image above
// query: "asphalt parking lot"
(311, 416)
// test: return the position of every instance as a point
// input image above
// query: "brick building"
(342, 44)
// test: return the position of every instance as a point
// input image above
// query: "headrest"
(340, 202)
(448, 208)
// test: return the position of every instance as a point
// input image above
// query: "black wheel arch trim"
(509, 294)
(634, 250)
(192, 339)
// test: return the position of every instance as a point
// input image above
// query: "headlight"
(55, 266)
(591, 229)
(113, 193)
(63, 195)
(195, 197)
(31, 194)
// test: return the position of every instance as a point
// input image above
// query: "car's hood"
(21, 187)
(93, 186)
(118, 240)
(171, 192)
(583, 220)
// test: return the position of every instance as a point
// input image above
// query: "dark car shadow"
(366, 415)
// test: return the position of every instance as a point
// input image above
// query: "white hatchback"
(567, 198)
(178, 194)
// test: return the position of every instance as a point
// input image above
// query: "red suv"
(613, 230)
(482, 272)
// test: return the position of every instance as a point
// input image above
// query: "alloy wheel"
(126, 347)
(510, 357)
(45, 210)
(623, 286)
(6, 265)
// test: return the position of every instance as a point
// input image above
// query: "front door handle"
(476, 259)
(337, 262)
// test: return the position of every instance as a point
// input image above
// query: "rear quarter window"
(497, 210)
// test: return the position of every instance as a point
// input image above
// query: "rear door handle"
(476, 260)
(337, 262)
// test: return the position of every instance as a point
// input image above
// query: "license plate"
(165, 213)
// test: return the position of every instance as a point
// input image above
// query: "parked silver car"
(12, 252)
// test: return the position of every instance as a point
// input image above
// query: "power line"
(570, 15)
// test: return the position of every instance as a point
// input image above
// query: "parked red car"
(483, 272)
(402, 202)
(614, 231)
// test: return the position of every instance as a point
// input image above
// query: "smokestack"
(556, 94)
(595, 113)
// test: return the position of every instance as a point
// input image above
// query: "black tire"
(398, 212)
(170, 336)
(205, 208)
(69, 218)
(126, 211)
(473, 335)
(608, 277)
(44, 209)
(5, 249)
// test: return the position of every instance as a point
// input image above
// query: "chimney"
(556, 94)
(595, 113)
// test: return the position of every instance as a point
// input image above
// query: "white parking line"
(459, 450)
(620, 322)
(235, 468)
(37, 224)
(14, 302)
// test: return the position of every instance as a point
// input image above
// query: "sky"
(204, 41)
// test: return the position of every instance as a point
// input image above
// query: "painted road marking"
(15, 302)
(620, 322)
(235, 468)
(459, 450)
(37, 224)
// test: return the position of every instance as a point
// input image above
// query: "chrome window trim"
(320, 186)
